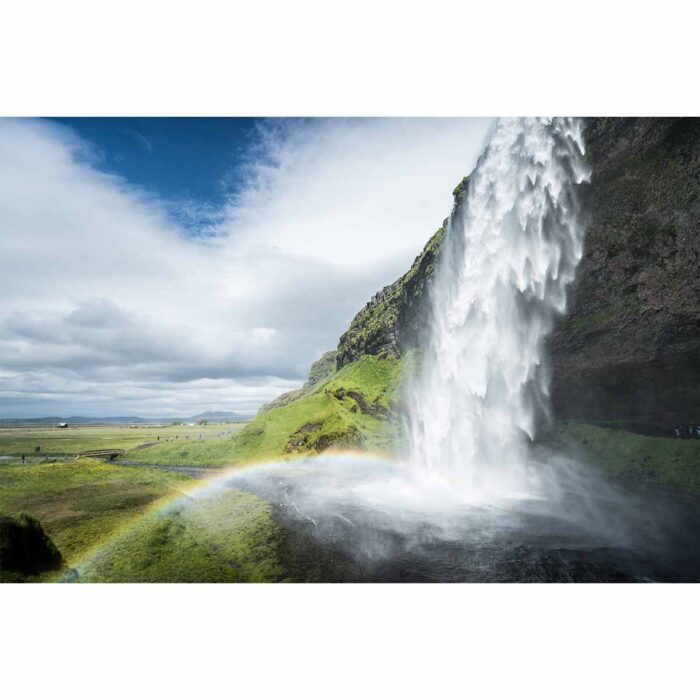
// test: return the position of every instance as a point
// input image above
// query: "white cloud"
(356, 192)
(109, 307)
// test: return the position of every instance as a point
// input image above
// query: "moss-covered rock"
(25, 548)
(395, 319)
(324, 368)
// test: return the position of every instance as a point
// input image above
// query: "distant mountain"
(220, 415)
(215, 416)
(79, 420)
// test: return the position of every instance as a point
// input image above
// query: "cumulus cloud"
(112, 306)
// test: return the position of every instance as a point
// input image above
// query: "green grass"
(208, 452)
(321, 370)
(80, 503)
(59, 442)
(355, 408)
(116, 523)
(230, 537)
(372, 378)
(636, 460)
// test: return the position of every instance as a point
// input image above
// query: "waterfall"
(510, 251)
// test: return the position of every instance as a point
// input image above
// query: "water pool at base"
(352, 519)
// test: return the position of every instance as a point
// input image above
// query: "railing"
(110, 454)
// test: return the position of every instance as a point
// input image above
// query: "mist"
(477, 497)
(354, 517)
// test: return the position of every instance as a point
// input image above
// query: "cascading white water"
(510, 251)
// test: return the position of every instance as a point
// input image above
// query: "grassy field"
(86, 505)
(60, 442)
(126, 523)
(82, 502)
(113, 522)
(118, 523)
(212, 451)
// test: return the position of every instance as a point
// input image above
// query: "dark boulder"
(26, 549)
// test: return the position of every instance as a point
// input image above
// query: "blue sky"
(177, 158)
(164, 267)
(188, 159)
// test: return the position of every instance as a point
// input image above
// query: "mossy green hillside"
(632, 459)
(324, 368)
(355, 408)
(229, 537)
(393, 320)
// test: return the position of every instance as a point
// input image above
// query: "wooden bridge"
(109, 454)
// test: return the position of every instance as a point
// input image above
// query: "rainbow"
(200, 488)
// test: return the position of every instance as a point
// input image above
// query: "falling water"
(479, 506)
(511, 249)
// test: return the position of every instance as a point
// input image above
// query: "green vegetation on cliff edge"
(357, 407)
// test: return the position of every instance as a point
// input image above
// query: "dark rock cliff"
(628, 348)
(391, 321)
(394, 319)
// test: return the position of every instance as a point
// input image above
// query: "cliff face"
(393, 321)
(628, 347)
(627, 350)
(637, 287)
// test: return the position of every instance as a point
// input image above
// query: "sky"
(165, 267)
